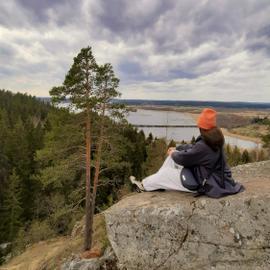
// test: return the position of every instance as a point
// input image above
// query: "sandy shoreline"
(252, 139)
(228, 133)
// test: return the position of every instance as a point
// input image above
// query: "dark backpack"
(213, 185)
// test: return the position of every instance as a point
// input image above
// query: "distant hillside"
(189, 103)
(192, 103)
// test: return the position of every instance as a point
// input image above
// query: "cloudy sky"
(160, 49)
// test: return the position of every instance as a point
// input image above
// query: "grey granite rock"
(174, 230)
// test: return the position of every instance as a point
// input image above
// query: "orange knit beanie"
(207, 119)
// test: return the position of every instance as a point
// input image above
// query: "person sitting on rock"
(204, 159)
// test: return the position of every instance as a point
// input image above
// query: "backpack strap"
(220, 158)
(222, 168)
(204, 187)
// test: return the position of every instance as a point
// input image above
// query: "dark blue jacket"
(201, 158)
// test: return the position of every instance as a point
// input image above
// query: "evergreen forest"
(42, 173)
(42, 170)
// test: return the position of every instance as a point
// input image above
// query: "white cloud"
(206, 50)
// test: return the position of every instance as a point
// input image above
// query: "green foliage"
(90, 88)
(135, 150)
(36, 231)
(172, 143)
(42, 167)
(149, 139)
(60, 160)
(193, 140)
(42, 163)
(24, 106)
(245, 157)
(236, 156)
(261, 120)
(156, 154)
(106, 84)
(20, 151)
(1, 256)
(61, 167)
(228, 154)
(78, 86)
(22, 120)
(12, 210)
(263, 154)
(266, 139)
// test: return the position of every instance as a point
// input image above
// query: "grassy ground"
(50, 254)
(253, 130)
(45, 255)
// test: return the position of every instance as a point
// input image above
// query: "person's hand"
(170, 150)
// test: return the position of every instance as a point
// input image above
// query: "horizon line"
(182, 100)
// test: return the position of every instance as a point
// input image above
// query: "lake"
(155, 117)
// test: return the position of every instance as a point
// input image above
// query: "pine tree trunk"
(97, 165)
(88, 208)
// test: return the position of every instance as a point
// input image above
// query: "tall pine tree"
(90, 89)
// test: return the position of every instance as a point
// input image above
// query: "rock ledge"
(174, 230)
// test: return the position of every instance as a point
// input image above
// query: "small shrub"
(39, 231)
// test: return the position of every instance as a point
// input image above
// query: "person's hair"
(213, 137)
